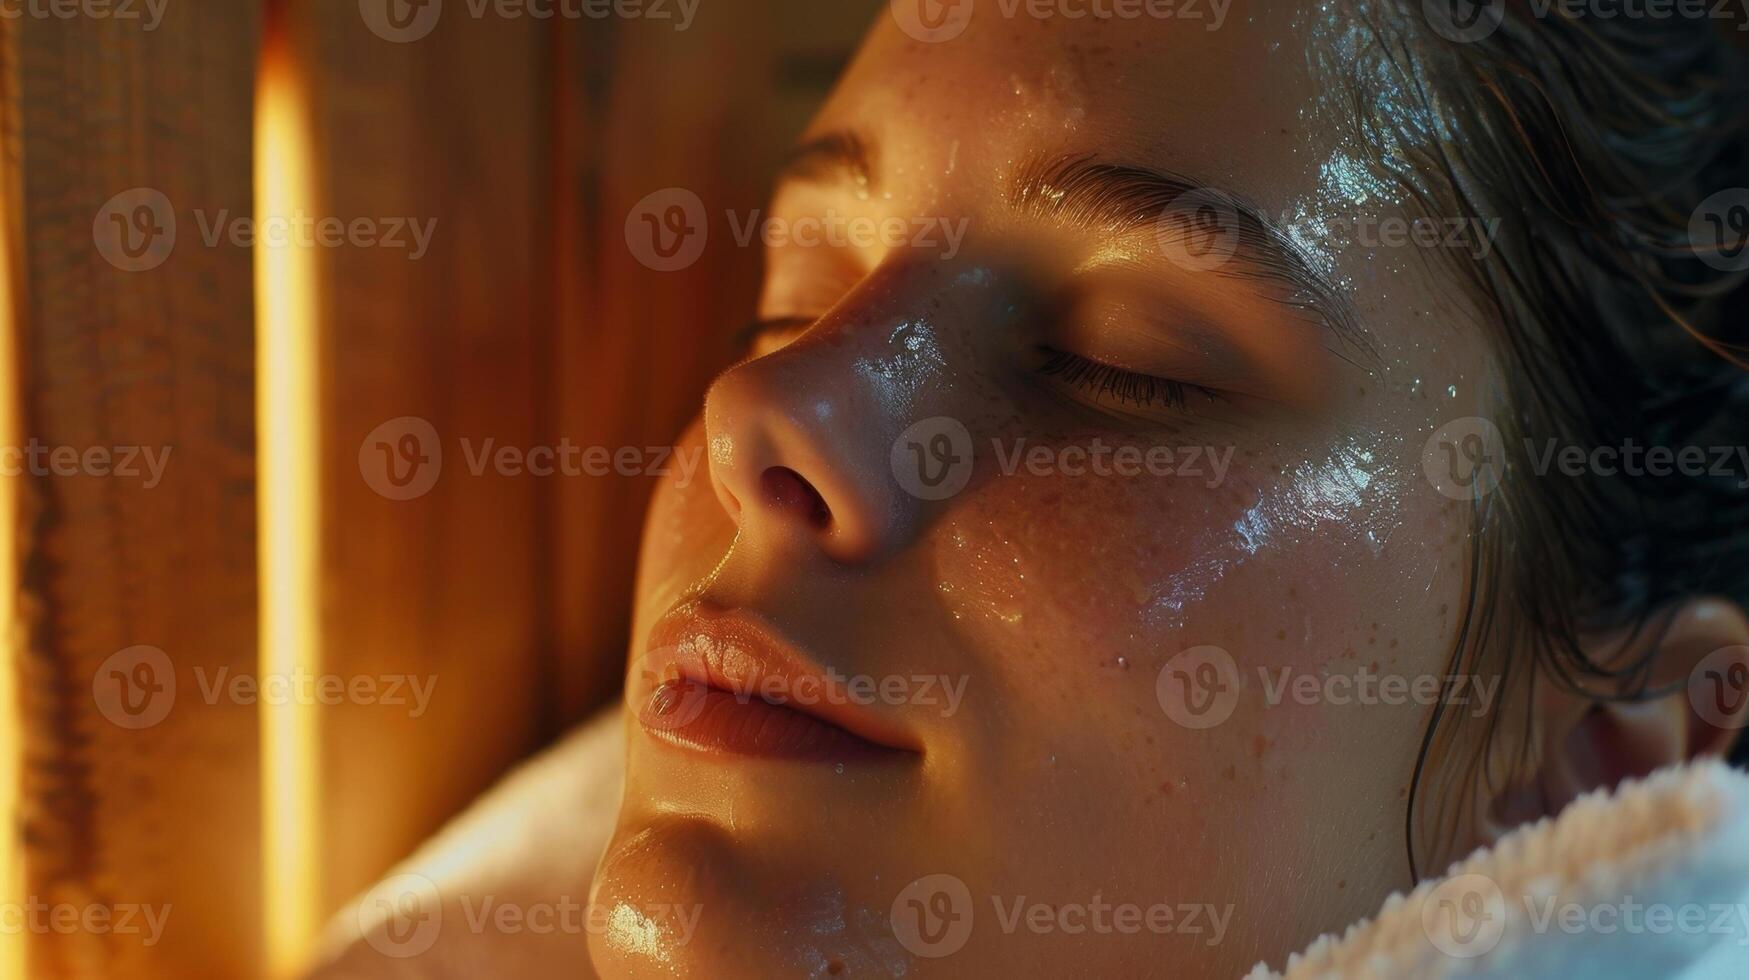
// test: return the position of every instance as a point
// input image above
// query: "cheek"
(1333, 562)
(686, 533)
(1136, 564)
(1073, 594)
(1096, 556)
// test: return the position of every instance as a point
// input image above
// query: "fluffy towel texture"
(1651, 881)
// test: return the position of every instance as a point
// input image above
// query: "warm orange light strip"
(12, 638)
(286, 492)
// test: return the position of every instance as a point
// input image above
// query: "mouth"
(720, 682)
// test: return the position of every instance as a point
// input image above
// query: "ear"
(1699, 654)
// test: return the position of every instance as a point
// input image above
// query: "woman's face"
(1087, 673)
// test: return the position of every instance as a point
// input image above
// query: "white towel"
(1650, 881)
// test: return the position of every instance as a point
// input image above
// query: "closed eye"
(1114, 385)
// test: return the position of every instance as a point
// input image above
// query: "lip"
(722, 682)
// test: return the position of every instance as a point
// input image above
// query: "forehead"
(1262, 107)
(1232, 106)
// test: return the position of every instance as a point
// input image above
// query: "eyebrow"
(1117, 199)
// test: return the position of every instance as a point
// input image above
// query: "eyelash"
(1125, 387)
(1090, 376)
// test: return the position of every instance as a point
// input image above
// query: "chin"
(663, 889)
(678, 897)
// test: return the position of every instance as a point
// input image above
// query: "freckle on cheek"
(1078, 553)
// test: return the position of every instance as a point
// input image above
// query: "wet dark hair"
(1593, 141)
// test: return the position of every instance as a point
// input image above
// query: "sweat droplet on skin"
(914, 365)
(722, 450)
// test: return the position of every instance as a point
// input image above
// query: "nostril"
(788, 490)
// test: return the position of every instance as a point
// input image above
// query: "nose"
(815, 442)
(797, 452)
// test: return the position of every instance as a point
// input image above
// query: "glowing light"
(288, 505)
(12, 887)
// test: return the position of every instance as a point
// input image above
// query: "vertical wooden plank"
(137, 795)
(434, 579)
(710, 110)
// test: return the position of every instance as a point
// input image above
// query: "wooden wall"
(732, 93)
(447, 587)
(112, 816)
